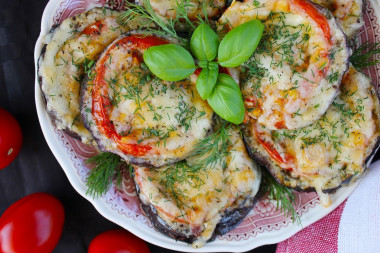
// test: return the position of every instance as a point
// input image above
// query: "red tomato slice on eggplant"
(32, 224)
(117, 241)
(10, 138)
(101, 101)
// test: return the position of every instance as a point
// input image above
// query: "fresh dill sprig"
(207, 154)
(180, 173)
(363, 55)
(211, 150)
(182, 8)
(283, 196)
(205, 5)
(100, 178)
(148, 17)
(151, 23)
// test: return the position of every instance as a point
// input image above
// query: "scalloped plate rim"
(151, 235)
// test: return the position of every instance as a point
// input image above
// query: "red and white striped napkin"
(353, 227)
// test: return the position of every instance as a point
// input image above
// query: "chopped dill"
(108, 168)
(211, 150)
(155, 24)
(207, 154)
(364, 55)
(283, 196)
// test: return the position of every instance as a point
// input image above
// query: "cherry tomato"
(117, 241)
(10, 138)
(32, 224)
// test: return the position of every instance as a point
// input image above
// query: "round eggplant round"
(333, 151)
(195, 8)
(348, 13)
(295, 72)
(132, 113)
(194, 203)
(70, 51)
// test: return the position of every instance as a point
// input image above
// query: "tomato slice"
(93, 29)
(117, 241)
(32, 224)
(272, 151)
(313, 13)
(101, 103)
(253, 102)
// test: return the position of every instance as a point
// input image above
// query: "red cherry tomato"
(32, 224)
(117, 241)
(10, 138)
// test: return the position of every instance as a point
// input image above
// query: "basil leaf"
(169, 62)
(240, 43)
(203, 64)
(204, 43)
(206, 82)
(226, 99)
(213, 65)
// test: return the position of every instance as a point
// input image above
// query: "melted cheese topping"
(194, 8)
(293, 76)
(61, 67)
(195, 202)
(334, 149)
(170, 117)
(349, 14)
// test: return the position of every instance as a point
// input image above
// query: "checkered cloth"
(352, 227)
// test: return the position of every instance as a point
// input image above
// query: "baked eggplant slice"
(332, 151)
(296, 70)
(136, 115)
(71, 48)
(195, 8)
(194, 204)
(348, 13)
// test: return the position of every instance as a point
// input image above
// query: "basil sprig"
(226, 99)
(169, 62)
(206, 82)
(204, 43)
(173, 63)
(240, 43)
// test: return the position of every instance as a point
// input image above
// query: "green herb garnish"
(169, 62)
(213, 148)
(236, 47)
(363, 55)
(226, 99)
(100, 178)
(283, 196)
(207, 154)
(207, 81)
(154, 24)
(174, 63)
(204, 43)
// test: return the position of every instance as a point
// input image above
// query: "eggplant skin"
(195, 206)
(234, 216)
(170, 119)
(231, 218)
(283, 88)
(85, 87)
(341, 171)
(60, 67)
(349, 14)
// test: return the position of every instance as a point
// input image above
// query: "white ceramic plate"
(264, 224)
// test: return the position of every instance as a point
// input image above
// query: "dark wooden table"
(36, 169)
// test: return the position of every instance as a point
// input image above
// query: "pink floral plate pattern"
(264, 224)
